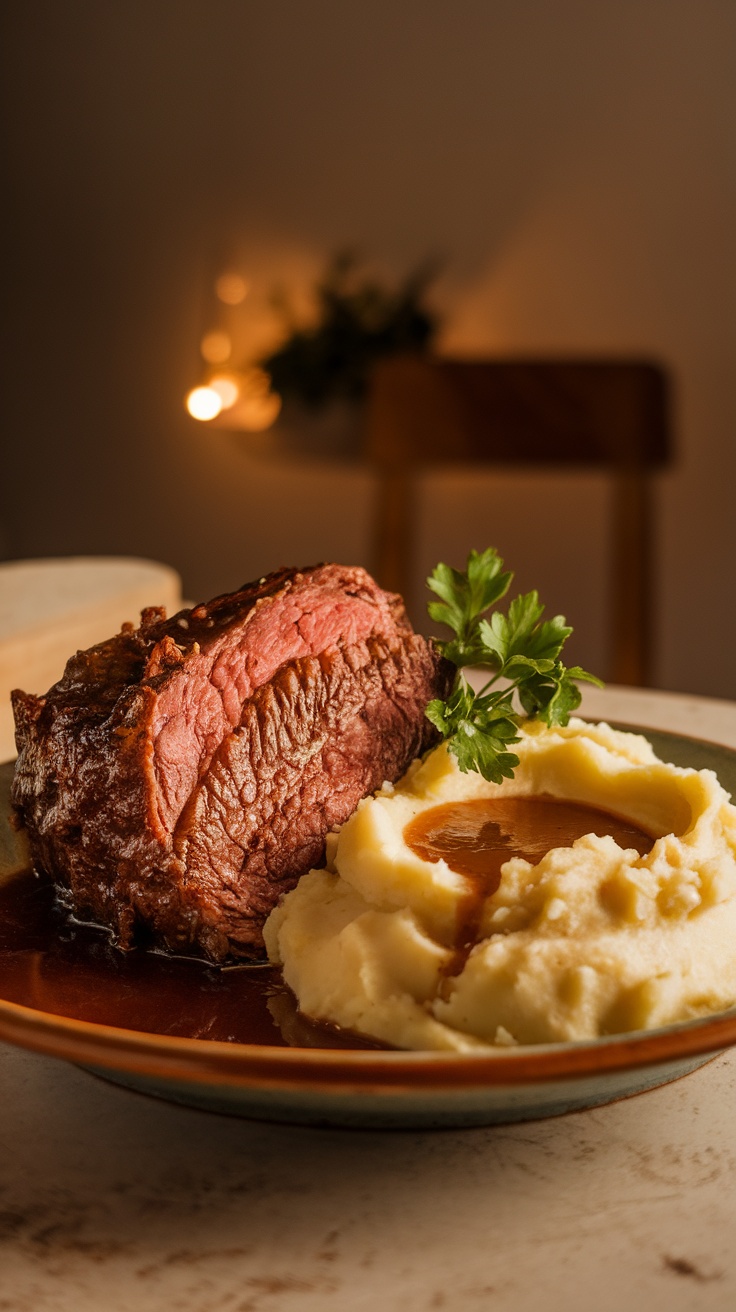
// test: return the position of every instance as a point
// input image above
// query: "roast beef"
(182, 775)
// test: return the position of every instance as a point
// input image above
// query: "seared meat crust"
(181, 776)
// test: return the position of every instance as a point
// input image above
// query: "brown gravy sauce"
(52, 963)
(476, 837)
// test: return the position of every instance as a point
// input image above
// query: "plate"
(263, 1077)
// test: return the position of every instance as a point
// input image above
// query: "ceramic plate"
(370, 1087)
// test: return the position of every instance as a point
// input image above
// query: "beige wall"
(575, 161)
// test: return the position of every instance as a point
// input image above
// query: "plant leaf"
(519, 647)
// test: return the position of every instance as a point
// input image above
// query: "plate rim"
(214, 1062)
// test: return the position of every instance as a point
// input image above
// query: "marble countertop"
(109, 1199)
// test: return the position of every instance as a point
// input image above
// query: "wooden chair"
(527, 414)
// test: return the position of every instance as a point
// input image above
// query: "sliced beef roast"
(181, 776)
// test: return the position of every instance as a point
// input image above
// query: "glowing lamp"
(204, 403)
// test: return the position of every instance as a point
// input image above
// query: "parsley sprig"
(522, 653)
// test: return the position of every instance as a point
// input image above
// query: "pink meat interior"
(202, 701)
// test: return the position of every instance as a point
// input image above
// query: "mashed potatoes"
(592, 939)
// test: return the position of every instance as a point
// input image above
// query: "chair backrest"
(610, 414)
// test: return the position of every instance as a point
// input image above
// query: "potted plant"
(322, 371)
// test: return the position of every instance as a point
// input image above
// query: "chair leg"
(393, 530)
(631, 581)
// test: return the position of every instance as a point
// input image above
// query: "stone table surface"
(112, 1200)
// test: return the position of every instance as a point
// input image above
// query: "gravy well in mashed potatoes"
(478, 836)
(593, 893)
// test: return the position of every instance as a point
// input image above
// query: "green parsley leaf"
(465, 597)
(519, 647)
(478, 730)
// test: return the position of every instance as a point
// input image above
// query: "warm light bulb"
(204, 403)
(227, 389)
(231, 288)
(215, 347)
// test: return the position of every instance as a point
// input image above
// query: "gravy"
(476, 837)
(50, 962)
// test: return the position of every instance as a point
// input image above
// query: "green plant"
(359, 320)
(520, 650)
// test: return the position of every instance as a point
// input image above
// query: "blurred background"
(572, 164)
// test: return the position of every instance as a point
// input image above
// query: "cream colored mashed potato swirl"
(591, 940)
